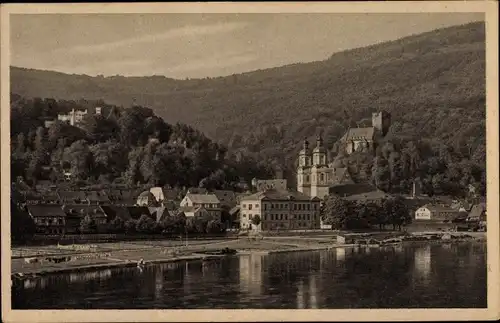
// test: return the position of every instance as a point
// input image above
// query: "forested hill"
(433, 84)
(122, 146)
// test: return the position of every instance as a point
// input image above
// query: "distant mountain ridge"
(424, 80)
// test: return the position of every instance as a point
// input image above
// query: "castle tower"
(304, 170)
(319, 170)
(381, 121)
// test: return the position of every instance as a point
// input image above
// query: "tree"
(80, 158)
(397, 212)
(117, 225)
(214, 226)
(22, 226)
(335, 212)
(256, 220)
(145, 224)
(88, 225)
(381, 174)
(130, 226)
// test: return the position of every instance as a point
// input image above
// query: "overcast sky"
(200, 45)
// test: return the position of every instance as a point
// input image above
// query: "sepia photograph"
(249, 157)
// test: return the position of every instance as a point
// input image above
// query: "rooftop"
(282, 195)
(358, 133)
(203, 198)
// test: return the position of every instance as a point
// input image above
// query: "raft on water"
(221, 252)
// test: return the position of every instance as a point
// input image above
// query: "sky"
(202, 45)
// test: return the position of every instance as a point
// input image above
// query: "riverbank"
(115, 255)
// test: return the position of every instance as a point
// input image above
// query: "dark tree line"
(344, 214)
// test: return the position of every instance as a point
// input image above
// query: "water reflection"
(423, 263)
(251, 273)
(392, 277)
(340, 252)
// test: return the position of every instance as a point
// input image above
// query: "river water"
(415, 276)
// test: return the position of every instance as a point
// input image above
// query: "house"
(49, 219)
(351, 189)
(74, 117)
(80, 211)
(48, 123)
(375, 195)
(439, 213)
(234, 214)
(114, 211)
(72, 197)
(226, 198)
(146, 198)
(194, 211)
(266, 184)
(209, 202)
(477, 213)
(137, 211)
(163, 194)
(121, 197)
(197, 190)
(44, 185)
(50, 198)
(158, 213)
(97, 197)
(280, 210)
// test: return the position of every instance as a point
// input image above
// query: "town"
(266, 205)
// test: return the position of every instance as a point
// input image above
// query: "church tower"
(320, 170)
(304, 170)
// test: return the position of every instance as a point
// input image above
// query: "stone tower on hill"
(367, 138)
(381, 121)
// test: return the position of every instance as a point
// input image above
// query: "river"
(413, 276)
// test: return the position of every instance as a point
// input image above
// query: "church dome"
(320, 148)
(305, 148)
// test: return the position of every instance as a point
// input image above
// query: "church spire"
(319, 141)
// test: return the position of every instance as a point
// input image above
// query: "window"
(265, 206)
(286, 206)
(249, 206)
(308, 217)
(286, 217)
(308, 207)
(250, 216)
(244, 206)
(295, 207)
(307, 179)
(322, 177)
(244, 215)
(256, 206)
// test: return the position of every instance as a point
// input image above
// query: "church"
(316, 174)
(365, 139)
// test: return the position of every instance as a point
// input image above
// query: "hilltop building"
(315, 175)
(366, 139)
(74, 117)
